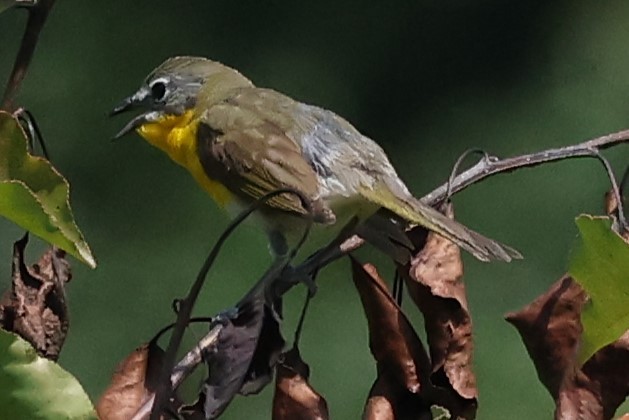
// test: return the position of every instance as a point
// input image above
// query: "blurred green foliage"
(426, 79)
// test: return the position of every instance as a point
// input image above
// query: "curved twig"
(493, 166)
(29, 124)
(37, 14)
(455, 168)
(184, 368)
(615, 189)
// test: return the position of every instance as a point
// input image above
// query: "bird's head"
(174, 88)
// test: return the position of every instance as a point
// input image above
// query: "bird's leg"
(307, 271)
(290, 275)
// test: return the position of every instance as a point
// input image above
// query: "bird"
(240, 142)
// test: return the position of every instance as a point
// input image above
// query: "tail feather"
(416, 212)
(480, 246)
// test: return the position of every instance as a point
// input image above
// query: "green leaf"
(34, 195)
(36, 388)
(600, 263)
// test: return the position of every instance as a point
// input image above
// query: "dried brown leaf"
(294, 397)
(389, 400)
(268, 350)
(578, 399)
(608, 372)
(35, 307)
(394, 344)
(230, 362)
(132, 384)
(550, 328)
(434, 280)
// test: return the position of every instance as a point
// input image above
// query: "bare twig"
(491, 165)
(29, 123)
(455, 168)
(37, 14)
(184, 368)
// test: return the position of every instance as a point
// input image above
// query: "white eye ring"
(158, 89)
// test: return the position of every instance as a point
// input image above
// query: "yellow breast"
(176, 135)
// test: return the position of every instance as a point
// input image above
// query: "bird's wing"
(252, 156)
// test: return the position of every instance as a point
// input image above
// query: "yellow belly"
(176, 135)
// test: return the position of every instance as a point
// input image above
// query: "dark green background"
(426, 79)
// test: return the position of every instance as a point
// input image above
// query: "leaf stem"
(37, 14)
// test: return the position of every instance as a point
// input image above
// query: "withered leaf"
(550, 327)
(578, 399)
(133, 383)
(435, 282)
(268, 350)
(394, 344)
(294, 398)
(608, 371)
(235, 347)
(389, 400)
(35, 307)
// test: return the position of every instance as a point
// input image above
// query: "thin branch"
(491, 165)
(184, 368)
(37, 14)
(622, 222)
(30, 126)
(302, 318)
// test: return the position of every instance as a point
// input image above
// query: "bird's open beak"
(128, 104)
(123, 106)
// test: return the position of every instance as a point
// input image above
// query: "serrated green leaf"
(36, 388)
(34, 195)
(600, 263)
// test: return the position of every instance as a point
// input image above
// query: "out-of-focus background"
(426, 79)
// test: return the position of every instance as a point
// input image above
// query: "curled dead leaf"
(35, 307)
(394, 344)
(608, 372)
(132, 383)
(434, 279)
(389, 400)
(231, 360)
(267, 352)
(550, 328)
(294, 397)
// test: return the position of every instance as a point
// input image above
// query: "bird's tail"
(416, 212)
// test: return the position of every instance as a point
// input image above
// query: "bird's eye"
(158, 90)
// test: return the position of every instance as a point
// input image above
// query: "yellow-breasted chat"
(240, 142)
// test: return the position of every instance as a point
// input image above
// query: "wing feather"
(252, 157)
